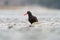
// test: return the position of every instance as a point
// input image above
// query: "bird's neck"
(30, 15)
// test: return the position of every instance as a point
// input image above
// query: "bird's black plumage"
(31, 18)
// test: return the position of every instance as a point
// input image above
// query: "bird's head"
(29, 13)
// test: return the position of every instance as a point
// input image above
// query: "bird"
(31, 18)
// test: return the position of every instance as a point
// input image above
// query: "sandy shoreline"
(10, 7)
(19, 7)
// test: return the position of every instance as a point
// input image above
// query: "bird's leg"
(31, 25)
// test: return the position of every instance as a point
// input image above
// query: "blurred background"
(15, 26)
(46, 3)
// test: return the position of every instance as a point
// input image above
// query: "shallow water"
(15, 26)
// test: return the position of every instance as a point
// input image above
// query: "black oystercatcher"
(31, 18)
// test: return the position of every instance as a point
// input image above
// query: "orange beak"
(25, 14)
